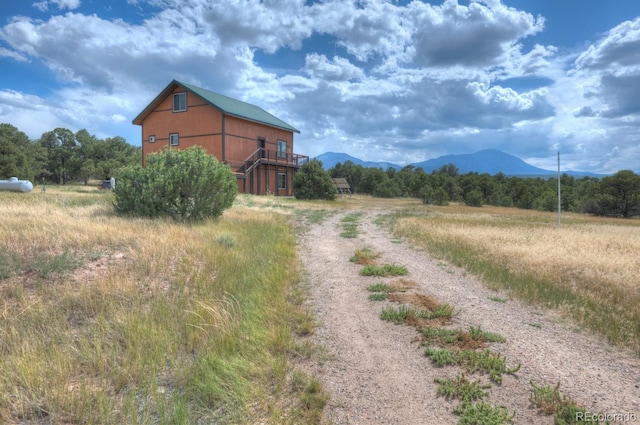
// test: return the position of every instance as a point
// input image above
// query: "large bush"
(313, 182)
(474, 198)
(183, 184)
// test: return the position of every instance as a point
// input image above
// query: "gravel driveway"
(377, 372)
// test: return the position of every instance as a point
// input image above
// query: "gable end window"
(173, 139)
(180, 102)
(282, 181)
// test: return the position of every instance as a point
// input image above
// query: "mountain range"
(490, 161)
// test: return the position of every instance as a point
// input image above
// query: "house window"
(282, 149)
(173, 139)
(282, 181)
(152, 139)
(180, 102)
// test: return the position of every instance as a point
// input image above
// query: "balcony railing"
(282, 157)
(265, 156)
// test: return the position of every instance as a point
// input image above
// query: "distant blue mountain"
(330, 159)
(490, 161)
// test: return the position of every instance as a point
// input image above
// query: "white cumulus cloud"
(60, 4)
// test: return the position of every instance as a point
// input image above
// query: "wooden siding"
(241, 139)
(199, 125)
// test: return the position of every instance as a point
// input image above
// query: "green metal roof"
(225, 104)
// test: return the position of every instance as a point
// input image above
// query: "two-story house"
(257, 145)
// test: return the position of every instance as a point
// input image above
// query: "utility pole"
(559, 196)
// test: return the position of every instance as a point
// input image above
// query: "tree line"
(615, 196)
(61, 156)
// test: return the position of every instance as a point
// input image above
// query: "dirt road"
(377, 372)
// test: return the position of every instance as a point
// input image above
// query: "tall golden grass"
(588, 267)
(105, 319)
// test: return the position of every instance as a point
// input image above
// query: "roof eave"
(151, 106)
(268, 124)
(175, 83)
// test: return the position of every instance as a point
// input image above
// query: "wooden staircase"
(246, 171)
(263, 156)
(251, 162)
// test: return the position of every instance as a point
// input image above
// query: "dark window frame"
(177, 138)
(180, 101)
(282, 181)
(280, 153)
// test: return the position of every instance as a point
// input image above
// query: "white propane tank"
(15, 185)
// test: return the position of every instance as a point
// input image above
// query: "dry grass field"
(105, 319)
(109, 320)
(588, 268)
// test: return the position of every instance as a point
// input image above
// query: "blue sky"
(398, 81)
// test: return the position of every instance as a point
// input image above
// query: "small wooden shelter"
(342, 186)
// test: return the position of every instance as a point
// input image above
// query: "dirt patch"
(402, 285)
(377, 372)
(94, 268)
(421, 301)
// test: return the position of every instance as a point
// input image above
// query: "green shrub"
(378, 296)
(565, 411)
(481, 413)
(460, 387)
(9, 264)
(183, 184)
(477, 334)
(364, 256)
(442, 310)
(48, 266)
(226, 241)
(313, 182)
(472, 361)
(380, 287)
(402, 314)
(384, 270)
(386, 189)
(475, 198)
(441, 356)
(437, 196)
(426, 194)
(440, 197)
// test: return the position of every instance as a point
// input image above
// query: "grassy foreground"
(588, 268)
(107, 320)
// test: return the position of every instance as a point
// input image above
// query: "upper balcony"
(269, 157)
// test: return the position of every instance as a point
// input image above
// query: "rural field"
(588, 268)
(361, 310)
(108, 320)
